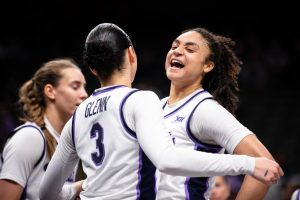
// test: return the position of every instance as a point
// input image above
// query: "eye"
(174, 47)
(75, 86)
(190, 50)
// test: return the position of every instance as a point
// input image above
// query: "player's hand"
(267, 171)
(78, 187)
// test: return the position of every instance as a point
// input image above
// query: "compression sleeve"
(60, 167)
(157, 144)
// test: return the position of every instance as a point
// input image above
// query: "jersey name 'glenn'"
(96, 107)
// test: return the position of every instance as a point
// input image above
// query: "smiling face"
(186, 62)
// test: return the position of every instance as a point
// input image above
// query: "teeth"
(173, 62)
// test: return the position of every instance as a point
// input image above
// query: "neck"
(178, 92)
(118, 78)
(56, 120)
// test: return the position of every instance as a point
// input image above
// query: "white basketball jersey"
(113, 161)
(19, 167)
(178, 118)
(19, 163)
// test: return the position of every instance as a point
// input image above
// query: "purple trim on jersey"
(138, 192)
(298, 195)
(186, 185)
(201, 146)
(131, 132)
(174, 111)
(23, 195)
(196, 187)
(73, 128)
(146, 178)
(41, 132)
(95, 93)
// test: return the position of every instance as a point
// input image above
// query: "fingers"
(267, 171)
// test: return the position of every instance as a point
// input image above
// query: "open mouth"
(177, 64)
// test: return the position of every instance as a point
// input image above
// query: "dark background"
(268, 43)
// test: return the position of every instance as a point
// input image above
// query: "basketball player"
(48, 100)
(203, 70)
(221, 189)
(118, 128)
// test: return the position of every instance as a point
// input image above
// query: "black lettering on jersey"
(96, 107)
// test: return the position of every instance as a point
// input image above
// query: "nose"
(177, 51)
(83, 94)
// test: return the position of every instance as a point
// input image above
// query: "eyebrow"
(78, 82)
(187, 43)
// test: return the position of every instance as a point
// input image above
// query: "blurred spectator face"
(221, 190)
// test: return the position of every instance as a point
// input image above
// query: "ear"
(49, 91)
(208, 66)
(132, 55)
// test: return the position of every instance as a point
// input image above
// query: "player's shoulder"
(29, 135)
(28, 129)
(145, 95)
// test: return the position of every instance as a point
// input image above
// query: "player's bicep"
(250, 145)
(10, 190)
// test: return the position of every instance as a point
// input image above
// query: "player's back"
(110, 153)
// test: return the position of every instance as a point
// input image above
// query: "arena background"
(267, 36)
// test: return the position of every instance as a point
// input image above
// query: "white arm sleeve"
(213, 124)
(145, 110)
(60, 167)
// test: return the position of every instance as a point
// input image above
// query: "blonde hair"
(31, 95)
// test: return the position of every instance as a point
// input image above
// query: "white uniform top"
(198, 122)
(25, 159)
(296, 195)
(108, 132)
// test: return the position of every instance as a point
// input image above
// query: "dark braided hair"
(221, 82)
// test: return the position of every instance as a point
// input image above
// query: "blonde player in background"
(48, 100)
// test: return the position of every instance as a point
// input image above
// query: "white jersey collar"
(182, 100)
(50, 128)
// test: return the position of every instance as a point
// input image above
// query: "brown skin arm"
(10, 190)
(252, 188)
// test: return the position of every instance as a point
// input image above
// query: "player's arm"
(15, 190)
(252, 188)
(19, 162)
(156, 143)
(215, 123)
(59, 169)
